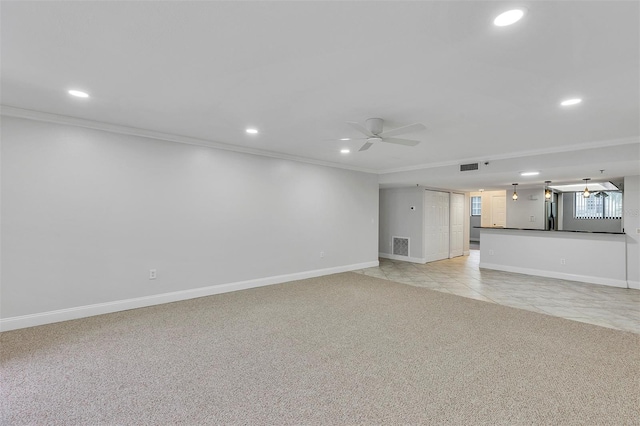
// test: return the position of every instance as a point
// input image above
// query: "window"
(476, 206)
(601, 205)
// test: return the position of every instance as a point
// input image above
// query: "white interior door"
(498, 210)
(436, 220)
(456, 240)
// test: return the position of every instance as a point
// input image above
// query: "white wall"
(521, 212)
(87, 213)
(631, 205)
(398, 220)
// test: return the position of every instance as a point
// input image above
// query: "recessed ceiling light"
(78, 94)
(568, 102)
(529, 173)
(345, 139)
(345, 151)
(509, 17)
(252, 131)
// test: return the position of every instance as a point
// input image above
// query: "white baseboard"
(23, 321)
(434, 258)
(402, 258)
(633, 284)
(560, 275)
(466, 252)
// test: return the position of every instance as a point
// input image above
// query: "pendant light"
(514, 197)
(586, 193)
(547, 190)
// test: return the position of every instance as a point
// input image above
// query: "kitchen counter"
(591, 257)
(545, 230)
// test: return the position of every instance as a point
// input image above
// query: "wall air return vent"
(468, 167)
(401, 246)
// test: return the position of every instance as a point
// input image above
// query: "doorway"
(498, 211)
(436, 225)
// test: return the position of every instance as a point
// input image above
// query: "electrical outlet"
(152, 274)
(532, 218)
(563, 261)
(490, 252)
(321, 254)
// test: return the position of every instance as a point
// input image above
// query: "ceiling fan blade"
(402, 130)
(407, 142)
(359, 127)
(345, 139)
(366, 146)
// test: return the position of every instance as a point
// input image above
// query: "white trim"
(434, 258)
(633, 284)
(466, 252)
(32, 320)
(10, 111)
(552, 150)
(402, 258)
(560, 275)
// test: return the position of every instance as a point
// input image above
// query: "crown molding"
(10, 111)
(553, 150)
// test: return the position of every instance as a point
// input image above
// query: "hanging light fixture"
(514, 197)
(586, 193)
(547, 190)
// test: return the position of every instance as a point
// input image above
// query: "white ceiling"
(299, 70)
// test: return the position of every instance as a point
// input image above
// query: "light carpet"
(340, 349)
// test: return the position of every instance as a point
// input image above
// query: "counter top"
(544, 230)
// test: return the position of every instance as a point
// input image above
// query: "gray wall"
(398, 220)
(87, 213)
(584, 257)
(569, 223)
(521, 212)
(474, 233)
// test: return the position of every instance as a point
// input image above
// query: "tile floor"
(611, 307)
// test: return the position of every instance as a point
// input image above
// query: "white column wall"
(631, 224)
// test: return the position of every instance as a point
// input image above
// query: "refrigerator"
(551, 213)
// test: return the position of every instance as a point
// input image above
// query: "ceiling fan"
(373, 133)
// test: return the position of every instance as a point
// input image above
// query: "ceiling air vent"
(468, 167)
